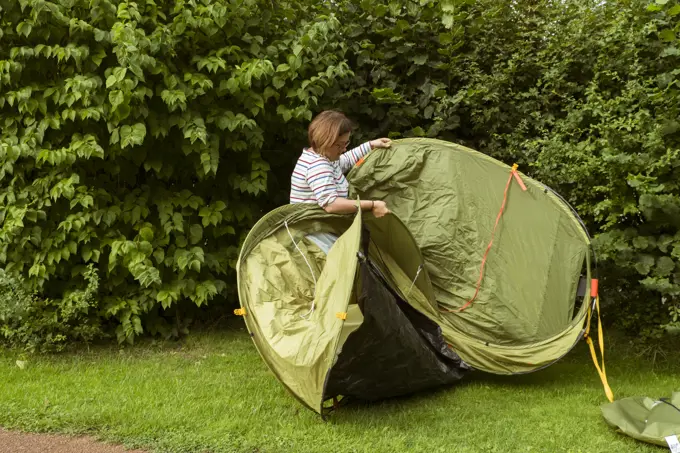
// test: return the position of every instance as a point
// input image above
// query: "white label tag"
(673, 444)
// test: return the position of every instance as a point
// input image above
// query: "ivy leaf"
(86, 253)
(232, 85)
(98, 56)
(664, 266)
(644, 264)
(420, 59)
(670, 52)
(159, 256)
(24, 28)
(675, 253)
(663, 242)
(667, 35)
(116, 98)
(115, 136)
(163, 296)
(278, 82)
(640, 242)
(284, 112)
(110, 216)
(178, 221)
(137, 70)
(146, 275)
(132, 135)
(146, 233)
(195, 233)
(100, 35)
(181, 259)
(113, 255)
(210, 161)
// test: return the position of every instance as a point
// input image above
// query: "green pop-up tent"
(477, 267)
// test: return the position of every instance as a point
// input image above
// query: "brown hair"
(325, 129)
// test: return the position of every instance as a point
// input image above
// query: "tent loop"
(285, 222)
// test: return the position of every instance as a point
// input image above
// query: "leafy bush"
(583, 94)
(617, 153)
(147, 138)
(35, 324)
(132, 137)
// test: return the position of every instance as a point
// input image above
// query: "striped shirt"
(316, 179)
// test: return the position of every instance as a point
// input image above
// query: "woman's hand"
(381, 143)
(379, 208)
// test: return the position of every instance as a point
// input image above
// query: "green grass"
(213, 393)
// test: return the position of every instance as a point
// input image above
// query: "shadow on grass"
(391, 410)
(574, 373)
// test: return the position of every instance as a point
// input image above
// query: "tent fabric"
(279, 282)
(353, 305)
(645, 419)
(449, 196)
(392, 337)
(280, 289)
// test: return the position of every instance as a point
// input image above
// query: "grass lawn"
(213, 393)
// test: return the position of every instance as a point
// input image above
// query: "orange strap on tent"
(515, 175)
(594, 288)
(600, 370)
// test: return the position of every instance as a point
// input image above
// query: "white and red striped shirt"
(316, 179)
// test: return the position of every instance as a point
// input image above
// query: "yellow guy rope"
(601, 371)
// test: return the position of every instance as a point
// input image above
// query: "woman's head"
(329, 134)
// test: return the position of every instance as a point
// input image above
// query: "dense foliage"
(141, 140)
(583, 94)
(131, 138)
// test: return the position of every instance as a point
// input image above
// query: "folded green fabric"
(644, 418)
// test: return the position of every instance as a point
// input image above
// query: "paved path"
(15, 442)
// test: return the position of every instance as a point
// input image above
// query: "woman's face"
(338, 147)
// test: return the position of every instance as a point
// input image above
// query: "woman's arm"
(322, 182)
(350, 158)
(345, 206)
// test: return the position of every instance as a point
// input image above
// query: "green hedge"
(582, 94)
(132, 137)
(146, 139)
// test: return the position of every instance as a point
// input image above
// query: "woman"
(319, 177)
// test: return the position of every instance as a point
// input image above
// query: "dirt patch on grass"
(16, 442)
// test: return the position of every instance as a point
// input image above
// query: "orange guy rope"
(515, 175)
